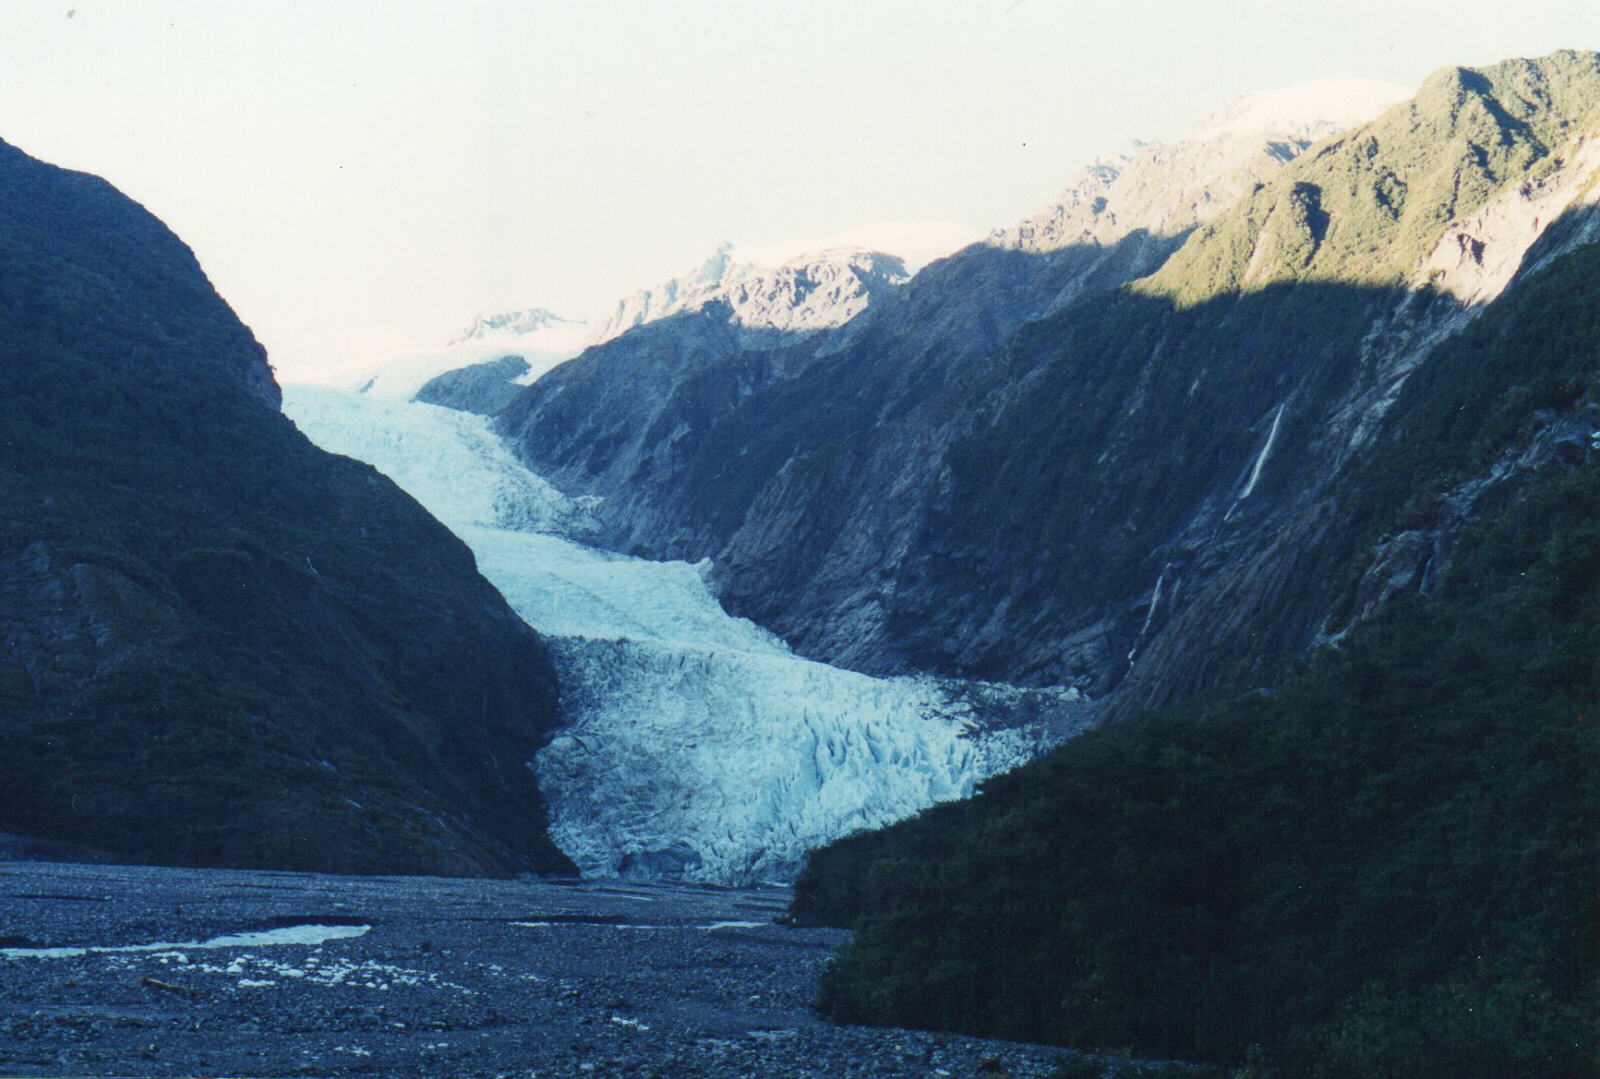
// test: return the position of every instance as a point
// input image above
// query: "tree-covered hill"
(1384, 860)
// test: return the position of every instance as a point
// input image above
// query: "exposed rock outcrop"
(1104, 448)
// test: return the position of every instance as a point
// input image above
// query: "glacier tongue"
(728, 766)
(697, 745)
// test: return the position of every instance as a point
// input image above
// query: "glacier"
(539, 338)
(697, 745)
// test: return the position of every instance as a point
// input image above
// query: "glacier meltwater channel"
(695, 744)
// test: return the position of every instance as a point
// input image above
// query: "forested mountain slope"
(1384, 861)
(1105, 464)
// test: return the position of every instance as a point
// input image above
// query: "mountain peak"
(529, 320)
(777, 288)
(1309, 110)
(540, 338)
(1166, 190)
(715, 268)
(914, 243)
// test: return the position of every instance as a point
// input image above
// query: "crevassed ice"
(697, 745)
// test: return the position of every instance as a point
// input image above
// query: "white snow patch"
(534, 326)
(296, 934)
(915, 243)
(812, 289)
(540, 339)
(1309, 109)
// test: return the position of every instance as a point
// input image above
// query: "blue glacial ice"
(696, 745)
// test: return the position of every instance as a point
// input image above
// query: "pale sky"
(360, 179)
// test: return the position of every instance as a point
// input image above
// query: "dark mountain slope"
(652, 420)
(1023, 467)
(1385, 862)
(224, 646)
(1119, 463)
(695, 432)
(704, 440)
(1046, 510)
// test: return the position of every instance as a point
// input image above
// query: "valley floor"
(119, 970)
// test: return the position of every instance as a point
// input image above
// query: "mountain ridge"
(809, 291)
(225, 647)
(963, 304)
(844, 528)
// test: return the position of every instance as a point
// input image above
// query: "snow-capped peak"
(808, 284)
(715, 268)
(1165, 190)
(1307, 110)
(815, 290)
(537, 336)
(531, 320)
(915, 243)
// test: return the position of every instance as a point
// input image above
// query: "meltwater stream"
(696, 745)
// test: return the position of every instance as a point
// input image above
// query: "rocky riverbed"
(137, 971)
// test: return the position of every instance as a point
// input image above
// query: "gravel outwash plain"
(110, 970)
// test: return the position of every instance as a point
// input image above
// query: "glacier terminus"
(697, 745)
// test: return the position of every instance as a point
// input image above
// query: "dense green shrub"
(1386, 863)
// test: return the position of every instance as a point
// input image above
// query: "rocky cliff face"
(1106, 447)
(813, 291)
(649, 419)
(224, 646)
(1478, 185)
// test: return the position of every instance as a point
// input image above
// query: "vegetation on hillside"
(1129, 423)
(1386, 862)
(1366, 207)
(1385, 865)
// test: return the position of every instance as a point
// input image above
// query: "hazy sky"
(363, 178)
